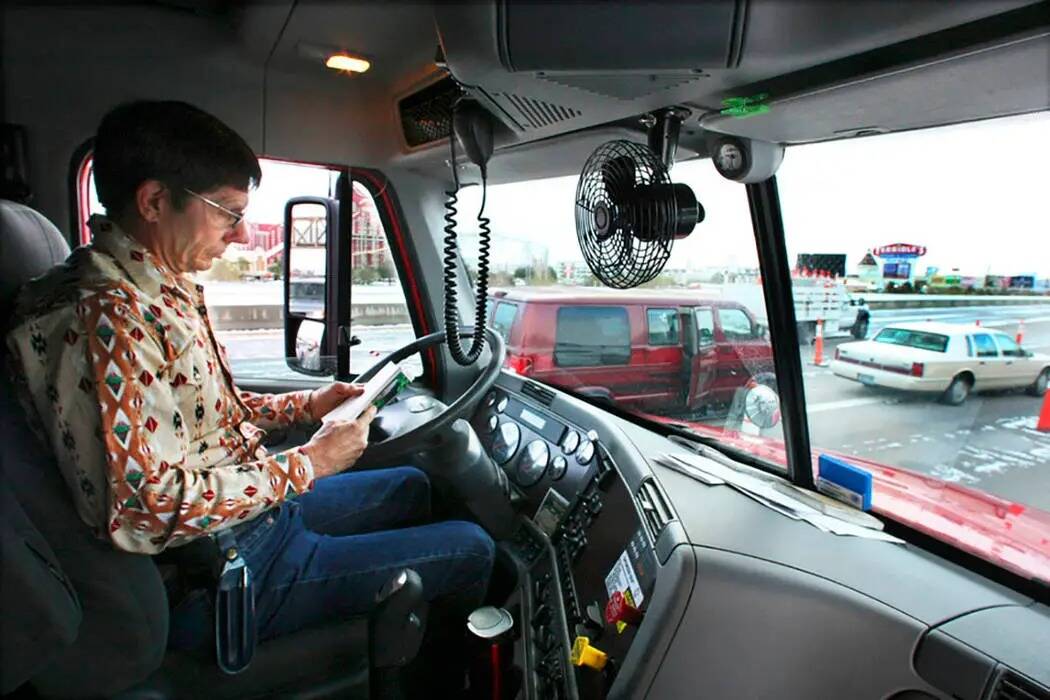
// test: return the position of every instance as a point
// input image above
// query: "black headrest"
(30, 245)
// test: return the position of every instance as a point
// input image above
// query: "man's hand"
(323, 400)
(338, 444)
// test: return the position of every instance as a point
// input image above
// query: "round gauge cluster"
(538, 458)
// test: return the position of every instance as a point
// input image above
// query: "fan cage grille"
(626, 212)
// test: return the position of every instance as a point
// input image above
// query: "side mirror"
(310, 329)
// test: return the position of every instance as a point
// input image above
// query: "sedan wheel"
(1039, 386)
(957, 392)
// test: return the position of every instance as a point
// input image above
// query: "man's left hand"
(323, 400)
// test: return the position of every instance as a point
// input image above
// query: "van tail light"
(520, 364)
(917, 369)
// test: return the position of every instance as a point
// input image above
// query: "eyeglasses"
(235, 218)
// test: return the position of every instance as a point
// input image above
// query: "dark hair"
(173, 142)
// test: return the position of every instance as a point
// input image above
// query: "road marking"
(845, 403)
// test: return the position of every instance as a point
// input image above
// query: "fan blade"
(618, 176)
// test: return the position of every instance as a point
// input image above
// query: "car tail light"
(519, 364)
(917, 369)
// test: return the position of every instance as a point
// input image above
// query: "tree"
(224, 271)
(364, 275)
(521, 273)
(386, 269)
(276, 268)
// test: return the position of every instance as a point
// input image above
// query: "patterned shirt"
(123, 378)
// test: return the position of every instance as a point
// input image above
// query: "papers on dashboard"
(777, 494)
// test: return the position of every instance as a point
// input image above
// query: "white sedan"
(942, 358)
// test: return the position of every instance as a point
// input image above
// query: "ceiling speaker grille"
(426, 116)
(537, 113)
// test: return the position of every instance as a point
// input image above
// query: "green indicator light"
(743, 112)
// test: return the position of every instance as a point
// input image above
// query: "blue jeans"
(325, 554)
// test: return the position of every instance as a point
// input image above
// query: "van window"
(705, 327)
(985, 346)
(736, 324)
(592, 335)
(663, 326)
(503, 318)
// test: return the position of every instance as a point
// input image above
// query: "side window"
(503, 318)
(589, 336)
(705, 327)
(1008, 346)
(985, 346)
(378, 310)
(244, 290)
(736, 324)
(663, 326)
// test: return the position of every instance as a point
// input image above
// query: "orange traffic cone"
(1044, 416)
(1020, 331)
(818, 353)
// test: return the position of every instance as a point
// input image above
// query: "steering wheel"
(414, 422)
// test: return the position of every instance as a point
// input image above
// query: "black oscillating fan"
(629, 213)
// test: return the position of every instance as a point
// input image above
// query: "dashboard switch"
(619, 609)
(583, 654)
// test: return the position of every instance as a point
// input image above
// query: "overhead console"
(546, 69)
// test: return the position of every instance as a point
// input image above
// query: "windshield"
(913, 339)
(688, 348)
(911, 228)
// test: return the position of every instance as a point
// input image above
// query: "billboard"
(833, 264)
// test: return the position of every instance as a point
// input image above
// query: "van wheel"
(860, 329)
(1039, 386)
(957, 391)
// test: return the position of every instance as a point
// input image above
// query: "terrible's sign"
(900, 251)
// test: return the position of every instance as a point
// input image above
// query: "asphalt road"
(989, 443)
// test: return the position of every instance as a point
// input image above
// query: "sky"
(975, 195)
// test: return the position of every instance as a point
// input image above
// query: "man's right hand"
(338, 444)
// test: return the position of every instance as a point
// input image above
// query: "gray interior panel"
(909, 98)
(899, 575)
(1018, 637)
(802, 637)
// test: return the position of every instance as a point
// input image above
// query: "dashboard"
(636, 580)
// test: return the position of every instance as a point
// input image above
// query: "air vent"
(537, 113)
(624, 87)
(541, 393)
(655, 507)
(1013, 686)
(426, 116)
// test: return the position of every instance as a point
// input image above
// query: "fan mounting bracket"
(664, 126)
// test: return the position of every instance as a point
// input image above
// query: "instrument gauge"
(533, 463)
(570, 442)
(585, 453)
(504, 447)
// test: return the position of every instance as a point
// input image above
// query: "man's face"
(192, 239)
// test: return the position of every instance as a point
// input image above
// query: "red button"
(619, 610)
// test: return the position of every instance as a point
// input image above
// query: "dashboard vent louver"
(542, 394)
(656, 509)
(537, 113)
(1013, 686)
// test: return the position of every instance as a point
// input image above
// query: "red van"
(633, 349)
